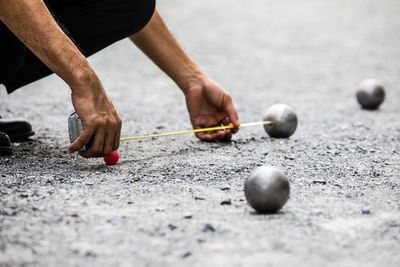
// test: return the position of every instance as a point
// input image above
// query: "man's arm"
(32, 23)
(208, 104)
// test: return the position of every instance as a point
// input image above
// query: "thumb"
(231, 112)
(81, 141)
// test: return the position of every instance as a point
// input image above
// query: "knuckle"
(96, 121)
(90, 124)
(227, 99)
(101, 123)
(97, 151)
(117, 117)
(114, 124)
(83, 140)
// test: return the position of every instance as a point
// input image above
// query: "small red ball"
(112, 159)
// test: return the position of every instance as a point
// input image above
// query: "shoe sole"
(5, 151)
(21, 136)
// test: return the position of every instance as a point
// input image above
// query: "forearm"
(32, 23)
(160, 46)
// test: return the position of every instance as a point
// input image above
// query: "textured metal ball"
(285, 121)
(370, 94)
(267, 189)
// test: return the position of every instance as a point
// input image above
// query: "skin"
(208, 104)
(32, 23)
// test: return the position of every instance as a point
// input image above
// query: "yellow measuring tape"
(199, 130)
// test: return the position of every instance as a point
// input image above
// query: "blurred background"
(309, 54)
(303, 53)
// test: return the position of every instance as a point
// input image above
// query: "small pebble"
(208, 228)
(366, 211)
(226, 202)
(319, 182)
(188, 216)
(172, 227)
(289, 158)
(187, 254)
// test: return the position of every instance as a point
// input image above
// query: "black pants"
(91, 24)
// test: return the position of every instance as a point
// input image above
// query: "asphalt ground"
(161, 205)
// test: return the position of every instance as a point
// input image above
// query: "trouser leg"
(12, 53)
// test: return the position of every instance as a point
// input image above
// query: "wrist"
(194, 77)
(83, 79)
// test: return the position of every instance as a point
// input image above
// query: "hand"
(101, 123)
(209, 105)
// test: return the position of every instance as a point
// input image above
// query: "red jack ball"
(112, 159)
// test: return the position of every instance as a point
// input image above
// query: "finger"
(211, 135)
(204, 136)
(232, 114)
(108, 142)
(227, 134)
(81, 141)
(218, 135)
(227, 122)
(117, 135)
(97, 147)
(227, 137)
(206, 122)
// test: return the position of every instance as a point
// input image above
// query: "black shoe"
(16, 129)
(5, 146)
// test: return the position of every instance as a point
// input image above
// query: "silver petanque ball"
(284, 118)
(267, 189)
(370, 94)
